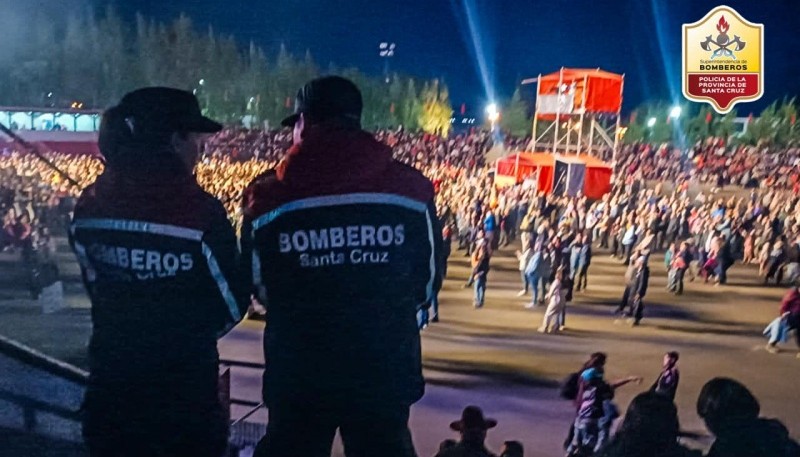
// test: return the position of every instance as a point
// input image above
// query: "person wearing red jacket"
(159, 260)
(790, 306)
(344, 248)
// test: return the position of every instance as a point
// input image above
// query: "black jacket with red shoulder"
(160, 264)
(344, 248)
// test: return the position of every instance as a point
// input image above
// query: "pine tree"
(514, 118)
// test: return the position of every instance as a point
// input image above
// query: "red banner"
(723, 87)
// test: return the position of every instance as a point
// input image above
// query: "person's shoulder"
(264, 180)
(416, 184)
(261, 193)
(212, 204)
(86, 202)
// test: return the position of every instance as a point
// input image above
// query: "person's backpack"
(569, 387)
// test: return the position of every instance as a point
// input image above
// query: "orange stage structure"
(581, 111)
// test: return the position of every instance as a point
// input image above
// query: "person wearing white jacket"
(556, 300)
(524, 257)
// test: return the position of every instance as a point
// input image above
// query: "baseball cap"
(164, 109)
(326, 98)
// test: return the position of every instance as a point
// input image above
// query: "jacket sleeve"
(246, 248)
(222, 255)
(438, 249)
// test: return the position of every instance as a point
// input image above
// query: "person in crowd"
(556, 298)
(679, 264)
(481, 244)
(763, 258)
(368, 287)
(472, 427)
(774, 267)
(524, 257)
(480, 272)
(650, 429)
(789, 317)
(512, 449)
(624, 303)
(580, 259)
(725, 259)
(447, 444)
(731, 414)
(629, 232)
(144, 260)
(640, 282)
(595, 408)
(792, 268)
(431, 313)
(546, 273)
(667, 382)
(533, 271)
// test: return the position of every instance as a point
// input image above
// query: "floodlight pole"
(558, 107)
(583, 110)
(616, 130)
(535, 115)
(569, 134)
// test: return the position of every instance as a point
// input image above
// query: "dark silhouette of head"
(473, 425)
(650, 427)
(724, 402)
(512, 449)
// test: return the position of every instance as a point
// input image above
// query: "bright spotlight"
(492, 112)
(651, 122)
(675, 112)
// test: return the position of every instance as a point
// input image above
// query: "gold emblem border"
(760, 73)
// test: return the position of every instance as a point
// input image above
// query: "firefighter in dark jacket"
(343, 243)
(160, 263)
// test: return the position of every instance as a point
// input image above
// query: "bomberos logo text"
(352, 244)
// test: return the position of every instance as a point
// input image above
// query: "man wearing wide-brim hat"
(472, 426)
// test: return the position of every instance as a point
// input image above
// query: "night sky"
(517, 39)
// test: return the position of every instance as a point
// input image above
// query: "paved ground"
(493, 357)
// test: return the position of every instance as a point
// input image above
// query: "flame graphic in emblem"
(722, 25)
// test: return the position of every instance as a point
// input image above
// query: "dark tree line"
(95, 59)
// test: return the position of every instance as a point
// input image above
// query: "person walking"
(342, 243)
(555, 301)
(532, 272)
(580, 259)
(790, 312)
(595, 409)
(641, 280)
(625, 301)
(158, 258)
(524, 257)
(546, 272)
(480, 272)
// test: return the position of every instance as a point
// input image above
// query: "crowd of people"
(715, 163)
(650, 426)
(555, 238)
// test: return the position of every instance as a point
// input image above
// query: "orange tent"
(597, 181)
(531, 164)
(542, 167)
(602, 90)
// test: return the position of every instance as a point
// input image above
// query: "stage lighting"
(675, 112)
(492, 113)
(651, 122)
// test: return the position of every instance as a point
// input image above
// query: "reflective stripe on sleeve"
(222, 283)
(127, 225)
(340, 200)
